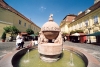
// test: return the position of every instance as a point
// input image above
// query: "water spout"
(27, 60)
(71, 60)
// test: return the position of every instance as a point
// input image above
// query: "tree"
(79, 31)
(76, 31)
(37, 33)
(30, 31)
(64, 34)
(11, 30)
(72, 32)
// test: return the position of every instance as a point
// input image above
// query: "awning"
(33, 35)
(94, 34)
(78, 34)
(24, 33)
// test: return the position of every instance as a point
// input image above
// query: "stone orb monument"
(50, 41)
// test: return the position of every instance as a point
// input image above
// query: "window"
(80, 25)
(95, 19)
(73, 27)
(86, 23)
(29, 26)
(77, 26)
(25, 24)
(20, 22)
(34, 28)
(70, 28)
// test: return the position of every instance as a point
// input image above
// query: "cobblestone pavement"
(6, 47)
(94, 50)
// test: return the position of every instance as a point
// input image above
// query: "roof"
(92, 8)
(70, 15)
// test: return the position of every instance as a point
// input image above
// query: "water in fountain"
(67, 57)
(27, 57)
(71, 63)
(71, 60)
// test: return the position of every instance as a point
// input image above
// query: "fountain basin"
(8, 59)
(35, 61)
(50, 49)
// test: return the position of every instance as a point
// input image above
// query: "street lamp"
(89, 36)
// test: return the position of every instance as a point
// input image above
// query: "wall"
(8, 18)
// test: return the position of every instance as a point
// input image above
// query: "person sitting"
(35, 42)
(22, 41)
(31, 44)
(18, 41)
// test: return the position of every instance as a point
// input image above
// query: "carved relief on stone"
(42, 39)
(50, 29)
(58, 39)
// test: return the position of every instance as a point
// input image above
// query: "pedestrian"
(35, 42)
(64, 38)
(18, 41)
(22, 41)
(10, 38)
(31, 43)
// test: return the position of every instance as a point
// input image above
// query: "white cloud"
(42, 8)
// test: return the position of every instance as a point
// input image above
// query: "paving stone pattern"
(6, 47)
(94, 50)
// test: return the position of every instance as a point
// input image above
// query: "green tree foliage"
(79, 31)
(11, 30)
(64, 34)
(72, 32)
(76, 31)
(30, 31)
(37, 33)
(3, 35)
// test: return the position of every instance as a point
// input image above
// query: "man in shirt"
(18, 41)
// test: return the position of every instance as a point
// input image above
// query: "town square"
(50, 33)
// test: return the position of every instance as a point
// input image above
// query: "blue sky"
(39, 10)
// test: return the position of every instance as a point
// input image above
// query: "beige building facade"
(88, 21)
(11, 17)
(65, 22)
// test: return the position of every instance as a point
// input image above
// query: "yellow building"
(88, 21)
(11, 17)
(65, 22)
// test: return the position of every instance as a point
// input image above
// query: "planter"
(3, 40)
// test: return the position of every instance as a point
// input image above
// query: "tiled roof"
(69, 15)
(92, 8)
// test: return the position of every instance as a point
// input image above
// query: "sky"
(38, 11)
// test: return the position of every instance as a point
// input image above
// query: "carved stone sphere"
(51, 34)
